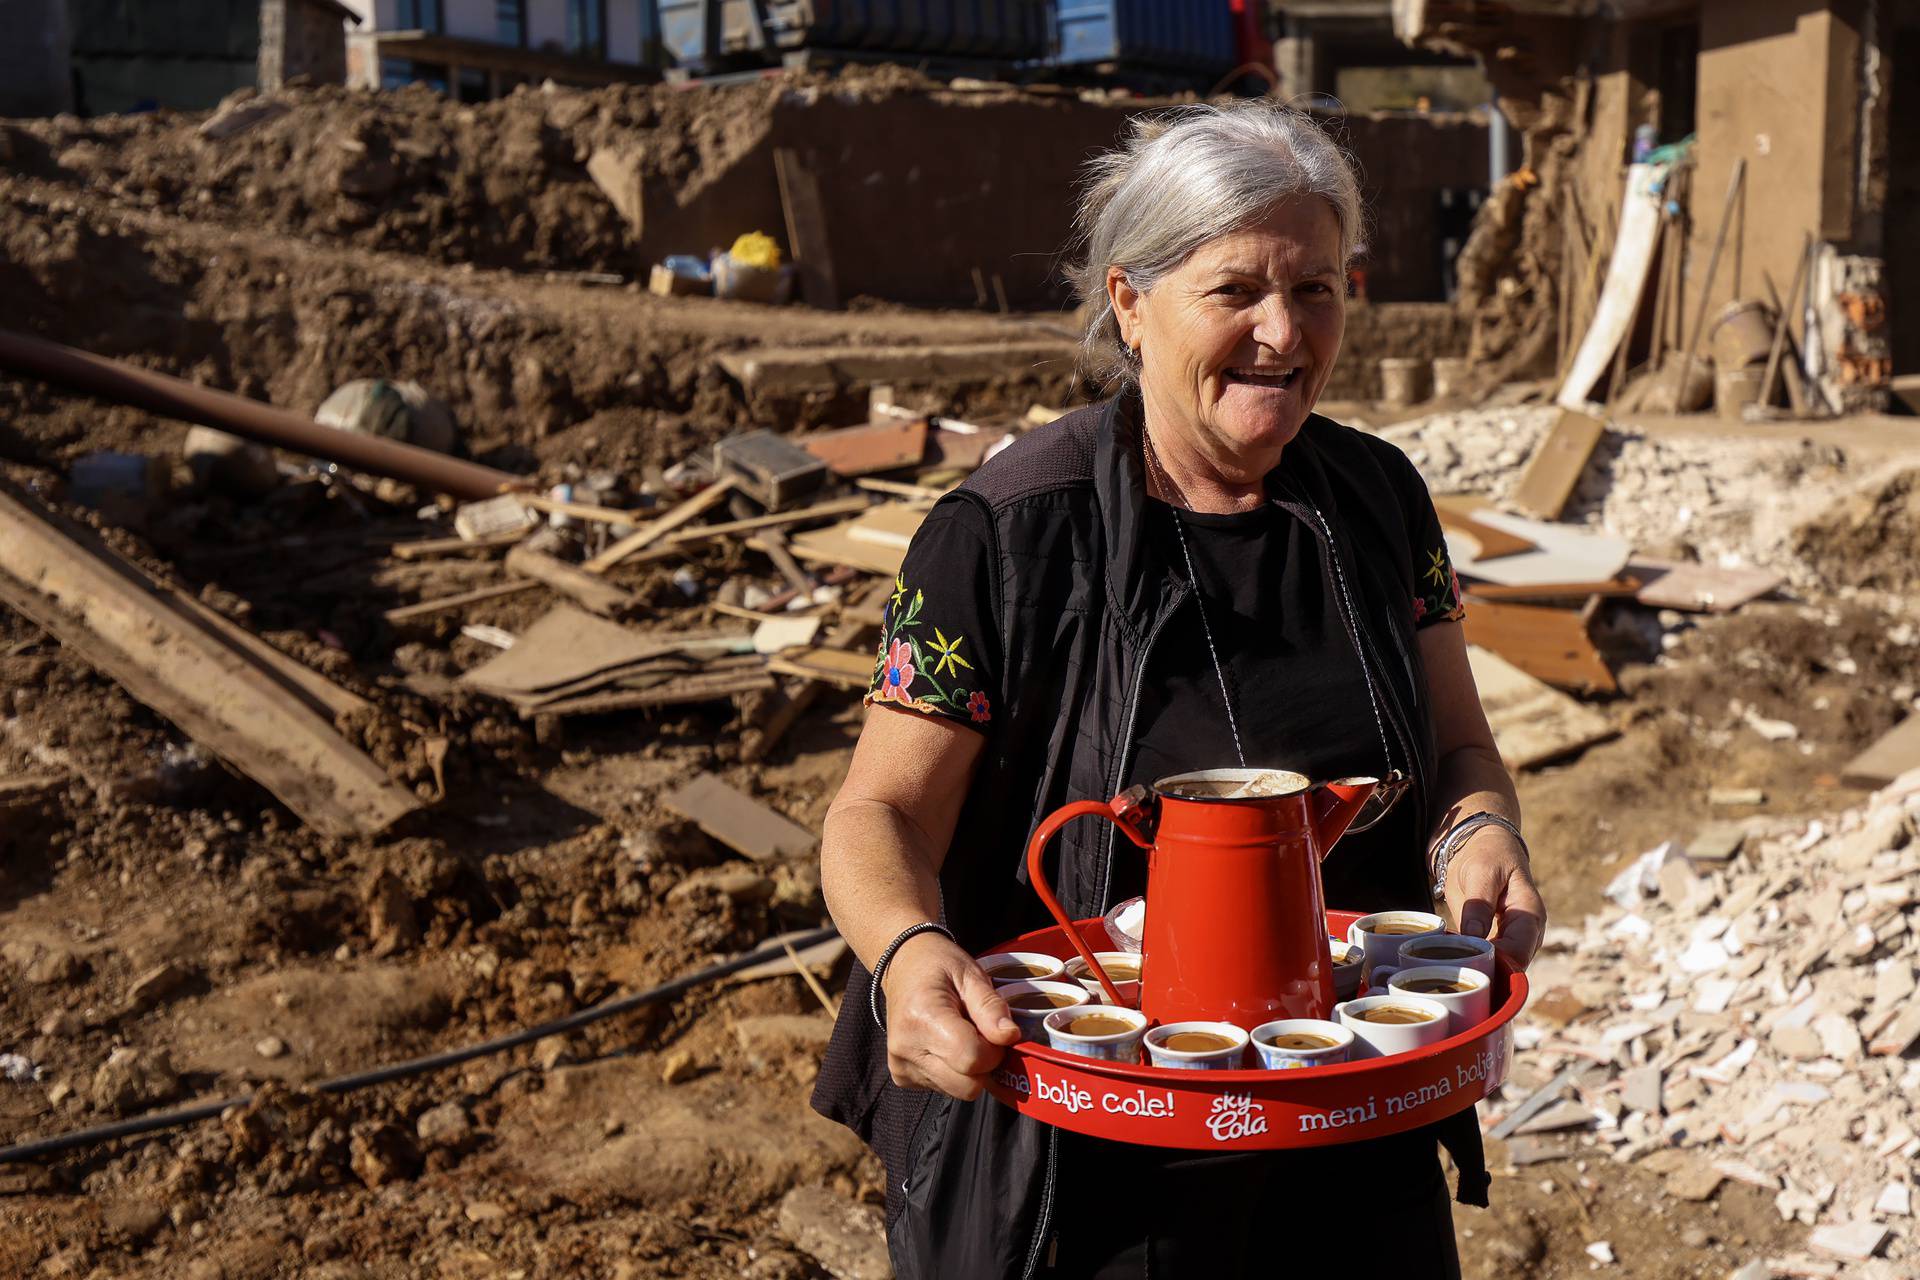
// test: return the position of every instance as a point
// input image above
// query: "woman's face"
(1237, 343)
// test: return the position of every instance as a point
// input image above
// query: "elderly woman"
(1196, 573)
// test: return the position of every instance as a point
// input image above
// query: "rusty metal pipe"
(172, 397)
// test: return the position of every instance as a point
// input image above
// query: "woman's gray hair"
(1185, 177)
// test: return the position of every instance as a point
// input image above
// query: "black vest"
(970, 1185)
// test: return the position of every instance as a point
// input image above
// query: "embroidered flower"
(1437, 566)
(899, 589)
(949, 651)
(977, 708)
(1419, 608)
(897, 677)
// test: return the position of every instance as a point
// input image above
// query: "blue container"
(1184, 35)
(963, 30)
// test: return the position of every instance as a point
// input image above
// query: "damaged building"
(1785, 183)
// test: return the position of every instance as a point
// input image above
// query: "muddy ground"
(550, 875)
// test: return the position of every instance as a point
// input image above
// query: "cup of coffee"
(1021, 966)
(1393, 1023)
(1102, 1031)
(1381, 934)
(1348, 960)
(1197, 1046)
(1292, 1043)
(1447, 948)
(1466, 994)
(1121, 966)
(1031, 1001)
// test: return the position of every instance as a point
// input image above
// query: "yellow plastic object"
(756, 249)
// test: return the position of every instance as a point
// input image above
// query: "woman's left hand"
(1490, 892)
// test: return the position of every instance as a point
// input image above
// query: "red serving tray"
(1258, 1109)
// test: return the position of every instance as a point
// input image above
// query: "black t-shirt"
(1266, 592)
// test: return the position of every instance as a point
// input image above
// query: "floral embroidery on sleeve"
(920, 670)
(1437, 593)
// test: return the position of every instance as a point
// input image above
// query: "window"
(1679, 79)
(587, 28)
(398, 73)
(510, 21)
(420, 15)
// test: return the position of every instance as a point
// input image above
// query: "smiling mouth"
(1271, 379)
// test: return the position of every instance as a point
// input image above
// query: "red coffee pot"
(1236, 919)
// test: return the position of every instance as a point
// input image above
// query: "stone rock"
(1895, 1200)
(1695, 1182)
(848, 1240)
(446, 1125)
(742, 884)
(62, 1023)
(1641, 1089)
(383, 1153)
(157, 983)
(133, 1080)
(230, 465)
(133, 1218)
(54, 967)
(1854, 1241)
(391, 922)
(483, 1211)
(773, 1040)
(678, 1067)
(271, 1047)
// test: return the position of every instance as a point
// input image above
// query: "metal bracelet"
(1457, 835)
(886, 958)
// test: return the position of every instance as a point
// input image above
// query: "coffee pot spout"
(1335, 805)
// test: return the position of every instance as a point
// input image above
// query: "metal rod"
(1734, 184)
(172, 397)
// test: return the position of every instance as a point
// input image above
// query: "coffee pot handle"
(1125, 811)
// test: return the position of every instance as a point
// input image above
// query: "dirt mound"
(501, 183)
(1867, 539)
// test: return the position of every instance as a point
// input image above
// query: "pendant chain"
(1199, 595)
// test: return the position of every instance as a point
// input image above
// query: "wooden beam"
(590, 592)
(807, 229)
(224, 695)
(640, 539)
(408, 612)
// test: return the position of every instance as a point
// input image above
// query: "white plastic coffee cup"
(1464, 1008)
(1129, 989)
(1227, 1059)
(1481, 959)
(1051, 969)
(1276, 1058)
(1118, 1046)
(1032, 1022)
(1384, 1039)
(1384, 948)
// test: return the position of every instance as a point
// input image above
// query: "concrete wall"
(920, 190)
(183, 54)
(1779, 87)
(35, 75)
(301, 38)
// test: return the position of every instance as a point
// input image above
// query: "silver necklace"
(1199, 596)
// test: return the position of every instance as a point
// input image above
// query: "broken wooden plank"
(808, 231)
(878, 446)
(460, 599)
(585, 589)
(876, 541)
(1554, 469)
(423, 548)
(1547, 644)
(686, 512)
(1698, 588)
(1532, 724)
(1461, 515)
(701, 687)
(566, 645)
(740, 822)
(830, 666)
(1561, 553)
(580, 510)
(773, 721)
(1610, 589)
(1892, 754)
(772, 520)
(820, 959)
(30, 787)
(226, 696)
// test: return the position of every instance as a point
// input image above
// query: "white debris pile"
(1732, 503)
(1746, 1013)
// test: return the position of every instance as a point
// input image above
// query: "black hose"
(420, 1066)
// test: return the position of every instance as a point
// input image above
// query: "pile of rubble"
(1744, 1012)
(1682, 498)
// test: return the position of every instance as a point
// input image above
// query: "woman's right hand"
(946, 1027)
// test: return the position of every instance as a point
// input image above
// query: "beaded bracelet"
(1457, 835)
(886, 958)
